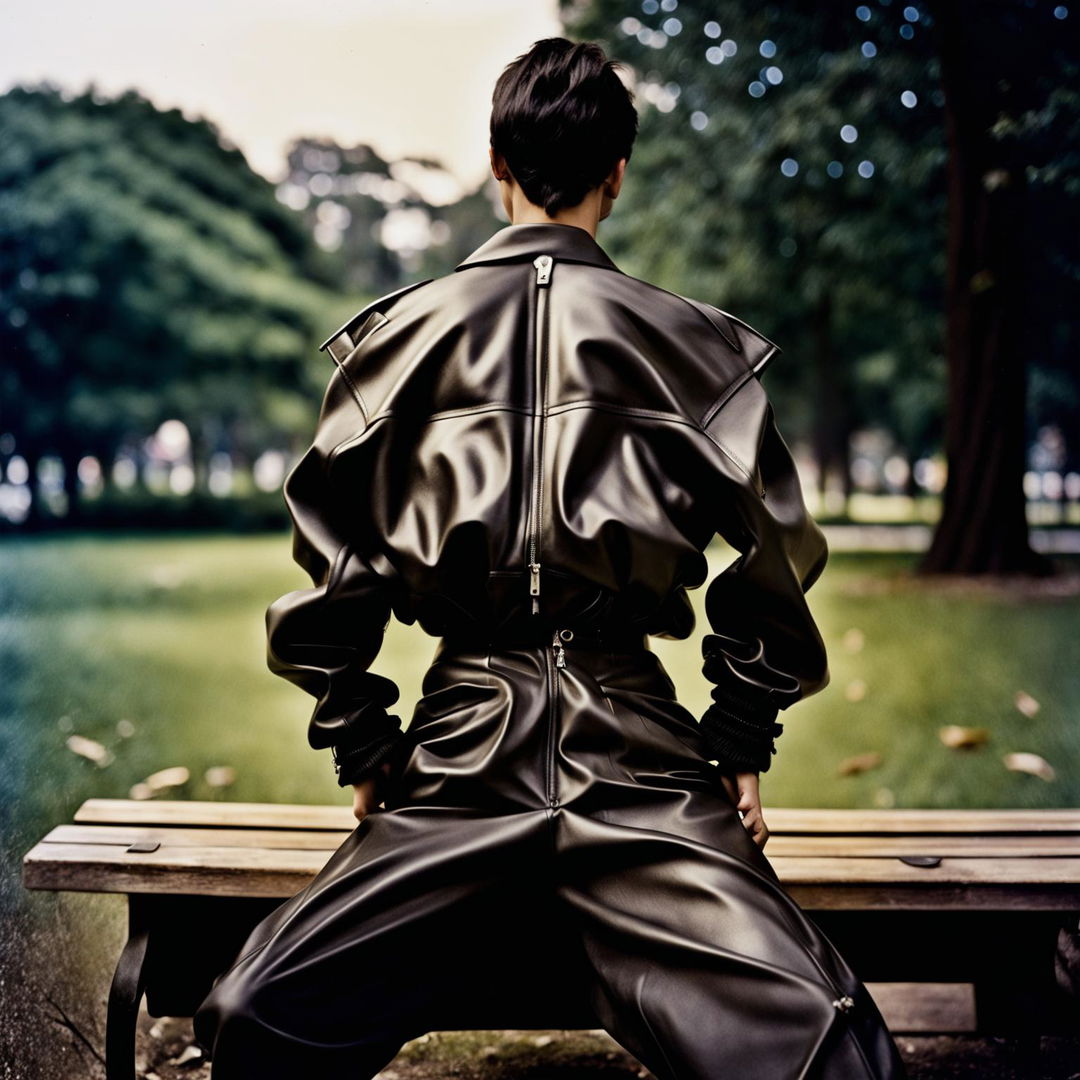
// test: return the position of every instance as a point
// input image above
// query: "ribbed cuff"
(357, 763)
(739, 732)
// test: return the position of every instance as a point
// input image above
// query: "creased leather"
(414, 497)
(554, 850)
(555, 845)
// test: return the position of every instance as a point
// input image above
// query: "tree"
(1001, 63)
(789, 168)
(146, 273)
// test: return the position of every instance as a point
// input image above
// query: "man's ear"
(498, 165)
(615, 179)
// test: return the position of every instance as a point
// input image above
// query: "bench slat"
(231, 815)
(239, 871)
(781, 819)
(1016, 846)
(1023, 860)
(197, 871)
(946, 897)
(123, 835)
(910, 821)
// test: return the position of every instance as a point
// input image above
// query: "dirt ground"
(167, 1052)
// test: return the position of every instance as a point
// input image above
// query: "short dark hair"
(561, 117)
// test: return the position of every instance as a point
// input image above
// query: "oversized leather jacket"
(540, 437)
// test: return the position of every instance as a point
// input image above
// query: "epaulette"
(757, 349)
(343, 340)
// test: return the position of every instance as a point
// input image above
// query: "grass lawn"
(155, 648)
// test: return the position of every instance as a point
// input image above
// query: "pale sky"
(407, 76)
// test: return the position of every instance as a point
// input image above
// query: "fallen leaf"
(1026, 703)
(855, 690)
(859, 763)
(188, 1054)
(220, 775)
(168, 1028)
(958, 737)
(1025, 762)
(89, 749)
(166, 778)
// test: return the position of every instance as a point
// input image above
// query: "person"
(528, 457)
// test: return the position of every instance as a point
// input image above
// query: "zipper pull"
(534, 586)
(560, 652)
(543, 269)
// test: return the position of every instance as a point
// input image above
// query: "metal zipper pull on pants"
(557, 644)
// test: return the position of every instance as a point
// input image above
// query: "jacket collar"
(514, 243)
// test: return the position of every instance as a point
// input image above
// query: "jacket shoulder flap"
(343, 340)
(757, 350)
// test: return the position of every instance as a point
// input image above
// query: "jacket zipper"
(543, 264)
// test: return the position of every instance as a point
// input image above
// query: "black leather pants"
(554, 850)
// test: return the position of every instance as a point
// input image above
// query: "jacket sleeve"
(765, 651)
(324, 638)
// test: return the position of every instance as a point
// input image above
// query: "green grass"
(930, 657)
(167, 634)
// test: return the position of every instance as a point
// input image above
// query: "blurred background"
(192, 199)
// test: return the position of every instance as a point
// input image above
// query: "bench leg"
(125, 994)
(1016, 993)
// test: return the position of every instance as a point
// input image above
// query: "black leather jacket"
(540, 438)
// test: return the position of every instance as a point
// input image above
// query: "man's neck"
(585, 215)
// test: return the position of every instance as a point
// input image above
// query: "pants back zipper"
(554, 662)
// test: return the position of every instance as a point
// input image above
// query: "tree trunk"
(70, 461)
(200, 455)
(911, 486)
(983, 526)
(830, 419)
(35, 517)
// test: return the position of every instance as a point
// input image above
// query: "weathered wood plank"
(182, 836)
(200, 871)
(1007, 871)
(230, 870)
(233, 815)
(910, 821)
(925, 1006)
(1016, 846)
(977, 897)
(959, 845)
(780, 819)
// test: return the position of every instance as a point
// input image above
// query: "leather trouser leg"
(702, 968)
(424, 919)
(555, 852)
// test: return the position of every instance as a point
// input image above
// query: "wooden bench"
(979, 897)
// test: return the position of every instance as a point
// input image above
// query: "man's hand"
(743, 789)
(367, 794)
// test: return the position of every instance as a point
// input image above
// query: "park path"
(886, 538)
